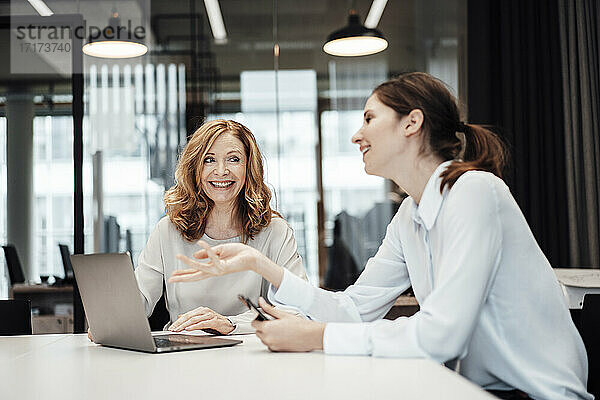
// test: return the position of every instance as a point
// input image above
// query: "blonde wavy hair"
(186, 204)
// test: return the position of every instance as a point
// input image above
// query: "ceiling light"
(115, 41)
(41, 8)
(375, 12)
(216, 21)
(355, 39)
(115, 49)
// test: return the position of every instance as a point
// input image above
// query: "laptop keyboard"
(163, 342)
(178, 340)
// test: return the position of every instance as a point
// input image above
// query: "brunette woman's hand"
(288, 332)
(223, 259)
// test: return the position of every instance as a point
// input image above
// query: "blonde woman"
(219, 196)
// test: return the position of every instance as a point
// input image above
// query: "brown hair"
(188, 206)
(483, 149)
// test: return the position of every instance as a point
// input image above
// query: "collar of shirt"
(426, 212)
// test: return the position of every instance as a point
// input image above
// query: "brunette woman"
(490, 304)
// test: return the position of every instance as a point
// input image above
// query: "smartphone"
(260, 316)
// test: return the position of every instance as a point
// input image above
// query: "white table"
(70, 367)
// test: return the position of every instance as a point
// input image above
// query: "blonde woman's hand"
(202, 318)
(288, 332)
(223, 259)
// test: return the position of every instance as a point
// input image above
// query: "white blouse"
(488, 296)
(157, 262)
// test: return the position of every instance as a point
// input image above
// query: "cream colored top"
(157, 262)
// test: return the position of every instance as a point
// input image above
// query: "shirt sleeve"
(441, 330)
(150, 271)
(385, 277)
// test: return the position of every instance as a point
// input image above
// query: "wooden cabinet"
(47, 300)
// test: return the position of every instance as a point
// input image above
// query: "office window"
(353, 200)
(53, 190)
(357, 209)
(53, 193)
(134, 128)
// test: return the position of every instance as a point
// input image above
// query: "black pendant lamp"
(355, 39)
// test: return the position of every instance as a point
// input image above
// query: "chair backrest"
(590, 333)
(15, 317)
(65, 254)
(15, 271)
(160, 315)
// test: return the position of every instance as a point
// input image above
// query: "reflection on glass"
(135, 118)
(53, 190)
(356, 207)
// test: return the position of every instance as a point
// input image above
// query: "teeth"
(366, 149)
(222, 184)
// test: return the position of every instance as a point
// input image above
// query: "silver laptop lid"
(112, 302)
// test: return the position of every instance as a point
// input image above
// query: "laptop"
(115, 310)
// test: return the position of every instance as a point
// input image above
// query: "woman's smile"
(223, 185)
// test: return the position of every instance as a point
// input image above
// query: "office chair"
(160, 315)
(15, 317)
(15, 271)
(590, 333)
(65, 254)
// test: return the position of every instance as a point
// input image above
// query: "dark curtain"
(580, 45)
(514, 85)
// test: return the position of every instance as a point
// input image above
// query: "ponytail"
(484, 151)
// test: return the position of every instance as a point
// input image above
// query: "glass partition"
(134, 130)
(53, 188)
(270, 73)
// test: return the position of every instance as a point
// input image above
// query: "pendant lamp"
(355, 39)
(115, 41)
